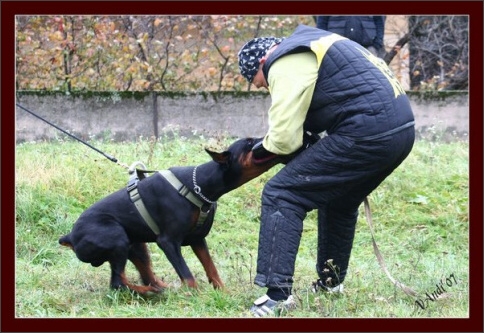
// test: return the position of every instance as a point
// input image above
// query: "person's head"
(252, 57)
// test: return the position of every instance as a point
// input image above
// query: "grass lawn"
(420, 214)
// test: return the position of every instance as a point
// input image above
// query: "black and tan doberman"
(113, 229)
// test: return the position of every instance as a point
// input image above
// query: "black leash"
(135, 175)
(109, 157)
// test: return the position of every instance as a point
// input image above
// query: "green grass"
(420, 215)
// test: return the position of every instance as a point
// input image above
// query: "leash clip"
(133, 166)
(132, 182)
(133, 175)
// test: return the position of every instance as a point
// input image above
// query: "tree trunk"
(154, 96)
(396, 48)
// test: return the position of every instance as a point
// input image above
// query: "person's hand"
(377, 43)
(260, 155)
(309, 139)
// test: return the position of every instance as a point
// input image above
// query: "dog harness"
(185, 192)
(136, 175)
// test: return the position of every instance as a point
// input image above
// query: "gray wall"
(127, 116)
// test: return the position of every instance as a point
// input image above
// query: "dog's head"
(237, 163)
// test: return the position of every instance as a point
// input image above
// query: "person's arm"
(291, 80)
(380, 30)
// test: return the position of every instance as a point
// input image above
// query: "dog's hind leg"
(140, 257)
(118, 257)
(172, 250)
(201, 250)
(118, 276)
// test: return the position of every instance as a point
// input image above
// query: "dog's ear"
(221, 158)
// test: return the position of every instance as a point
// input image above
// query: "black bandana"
(252, 52)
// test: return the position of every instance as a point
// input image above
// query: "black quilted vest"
(356, 94)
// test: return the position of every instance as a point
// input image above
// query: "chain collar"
(197, 188)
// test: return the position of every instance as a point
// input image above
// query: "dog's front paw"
(144, 290)
(217, 284)
(160, 284)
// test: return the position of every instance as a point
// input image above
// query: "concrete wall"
(127, 116)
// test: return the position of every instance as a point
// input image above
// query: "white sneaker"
(265, 306)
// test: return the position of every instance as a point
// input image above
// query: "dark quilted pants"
(333, 176)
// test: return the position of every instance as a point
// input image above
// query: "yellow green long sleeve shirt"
(291, 80)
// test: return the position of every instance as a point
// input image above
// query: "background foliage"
(199, 53)
(190, 53)
(439, 49)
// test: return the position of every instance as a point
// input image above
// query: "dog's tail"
(66, 241)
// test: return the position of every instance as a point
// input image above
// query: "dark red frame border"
(11, 8)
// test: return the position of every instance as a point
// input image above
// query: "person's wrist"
(260, 155)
